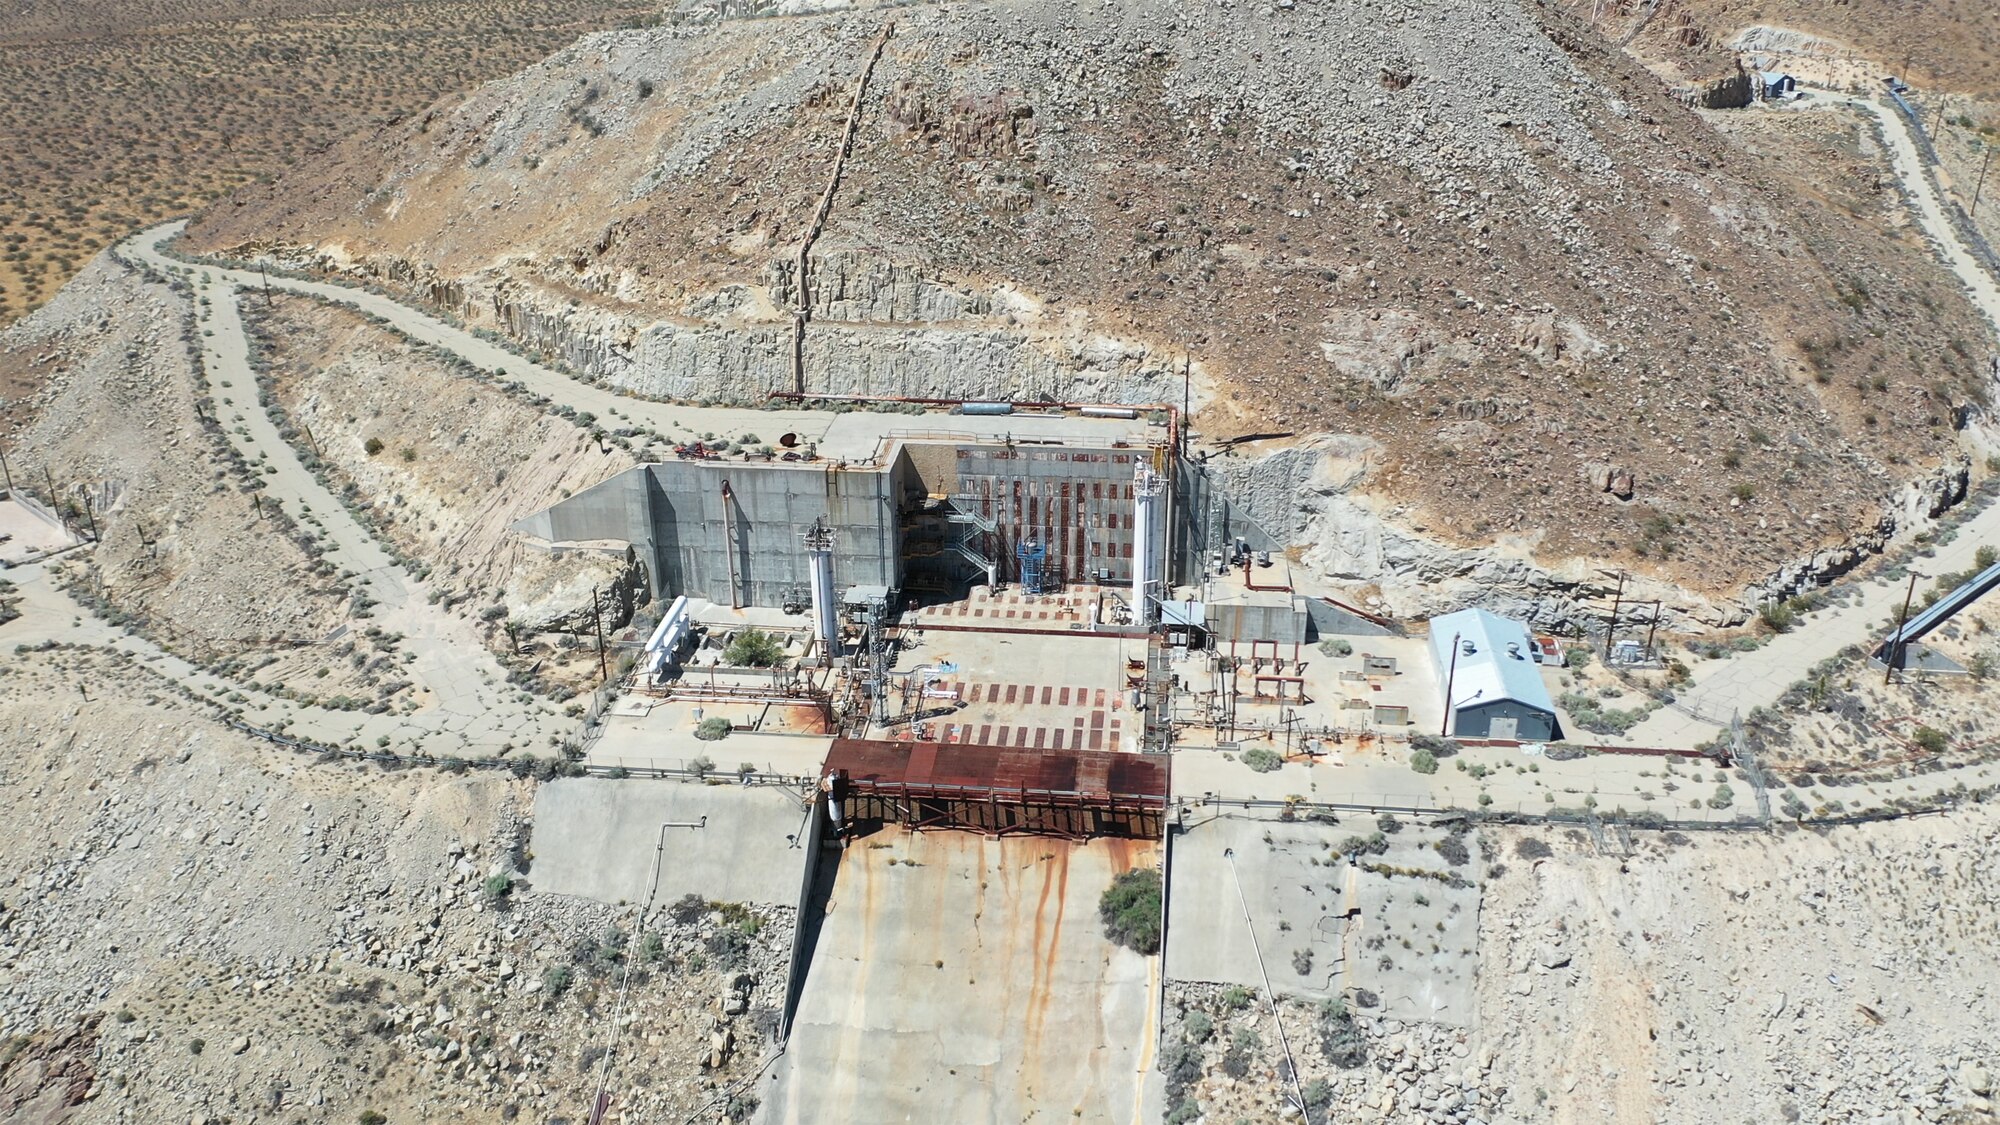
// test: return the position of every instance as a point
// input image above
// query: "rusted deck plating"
(1000, 790)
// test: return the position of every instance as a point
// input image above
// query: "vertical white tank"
(1147, 488)
(826, 612)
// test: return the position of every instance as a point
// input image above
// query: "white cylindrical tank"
(1147, 488)
(819, 574)
(826, 612)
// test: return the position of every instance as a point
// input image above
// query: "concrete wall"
(747, 550)
(1534, 724)
(1209, 515)
(1233, 621)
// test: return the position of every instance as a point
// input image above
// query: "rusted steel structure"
(998, 790)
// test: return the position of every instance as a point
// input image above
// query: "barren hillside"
(203, 927)
(120, 114)
(1949, 44)
(1478, 237)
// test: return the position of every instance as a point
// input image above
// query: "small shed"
(1776, 86)
(1492, 685)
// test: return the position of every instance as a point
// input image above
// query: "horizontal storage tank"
(1109, 412)
(986, 408)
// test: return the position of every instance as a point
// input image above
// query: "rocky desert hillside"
(1547, 301)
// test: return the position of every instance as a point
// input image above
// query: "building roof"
(1488, 668)
(977, 771)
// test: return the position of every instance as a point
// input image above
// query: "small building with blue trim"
(1493, 688)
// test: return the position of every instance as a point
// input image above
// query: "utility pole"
(1187, 390)
(1653, 628)
(1981, 185)
(267, 284)
(597, 624)
(1444, 730)
(1617, 602)
(55, 501)
(1937, 119)
(1896, 640)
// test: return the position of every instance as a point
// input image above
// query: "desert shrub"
(1339, 1039)
(556, 980)
(729, 948)
(712, 730)
(1302, 962)
(1724, 796)
(1452, 848)
(1778, 617)
(1389, 823)
(1242, 1050)
(1130, 909)
(1931, 739)
(1336, 647)
(1236, 997)
(1423, 761)
(373, 446)
(1532, 849)
(1262, 760)
(753, 648)
(688, 909)
(1439, 746)
(1199, 1025)
(1181, 1063)
(496, 888)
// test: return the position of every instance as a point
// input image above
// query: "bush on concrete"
(1130, 909)
(1262, 760)
(753, 648)
(712, 730)
(1423, 761)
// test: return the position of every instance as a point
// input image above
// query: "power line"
(1291, 1065)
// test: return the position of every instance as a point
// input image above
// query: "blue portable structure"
(1031, 555)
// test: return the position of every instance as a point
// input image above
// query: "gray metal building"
(1493, 687)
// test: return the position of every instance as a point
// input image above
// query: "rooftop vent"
(1514, 650)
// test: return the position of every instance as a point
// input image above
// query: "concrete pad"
(595, 839)
(1294, 903)
(1033, 1015)
(29, 532)
(1410, 939)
